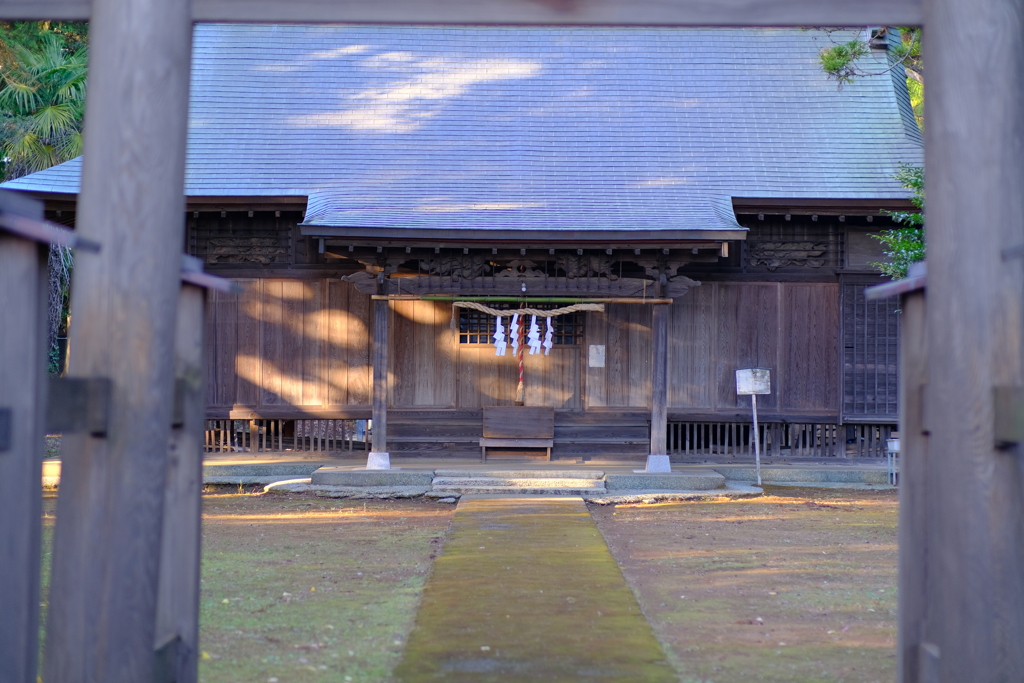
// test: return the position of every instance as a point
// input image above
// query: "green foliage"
(916, 90)
(42, 95)
(839, 61)
(32, 34)
(42, 101)
(904, 246)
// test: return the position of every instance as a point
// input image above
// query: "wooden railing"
(286, 435)
(733, 440)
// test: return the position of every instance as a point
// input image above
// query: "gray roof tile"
(530, 128)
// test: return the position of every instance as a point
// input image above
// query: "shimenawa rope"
(540, 313)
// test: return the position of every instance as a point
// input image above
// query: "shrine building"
(678, 203)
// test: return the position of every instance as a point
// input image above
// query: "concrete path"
(526, 590)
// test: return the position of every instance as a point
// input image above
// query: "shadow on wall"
(289, 343)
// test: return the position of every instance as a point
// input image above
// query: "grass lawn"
(311, 589)
(798, 585)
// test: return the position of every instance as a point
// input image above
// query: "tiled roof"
(524, 128)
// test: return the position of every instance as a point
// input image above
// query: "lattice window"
(476, 327)
(870, 354)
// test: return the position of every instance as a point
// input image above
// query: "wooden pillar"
(913, 523)
(378, 458)
(971, 620)
(177, 618)
(23, 353)
(103, 594)
(658, 460)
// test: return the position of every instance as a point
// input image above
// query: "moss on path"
(527, 590)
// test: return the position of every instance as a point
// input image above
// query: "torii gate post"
(962, 583)
(23, 286)
(102, 618)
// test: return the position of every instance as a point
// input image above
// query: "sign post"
(751, 382)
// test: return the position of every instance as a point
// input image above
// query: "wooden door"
(624, 379)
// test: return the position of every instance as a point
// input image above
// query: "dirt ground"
(798, 585)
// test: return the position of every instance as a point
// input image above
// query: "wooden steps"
(519, 482)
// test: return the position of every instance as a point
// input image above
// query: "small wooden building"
(359, 181)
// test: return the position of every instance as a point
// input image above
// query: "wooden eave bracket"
(192, 273)
(1007, 416)
(82, 404)
(916, 279)
(79, 404)
(5, 429)
(23, 216)
(166, 658)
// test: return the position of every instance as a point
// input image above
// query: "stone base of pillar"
(657, 463)
(379, 461)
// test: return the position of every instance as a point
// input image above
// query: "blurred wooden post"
(972, 567)
(177, 616)
(103, 596)
(23, 355)
(24, 414)
(914, 490)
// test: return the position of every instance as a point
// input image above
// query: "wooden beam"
(23, 288)
(381, 312)
(659, 380)
(822, 207)
(101, 623)
(513, 288)
(974, 165)
(291, 413)
(527, 299)
(567, 12)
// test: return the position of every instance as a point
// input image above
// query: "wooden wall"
(488, 380)
(485, 379)
(287, 343)
(791, 328)
(422, 354)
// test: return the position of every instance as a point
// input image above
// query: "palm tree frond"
(28, 154)
(18, 97)
(69, 146)
(42, 96)
(54, 120)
